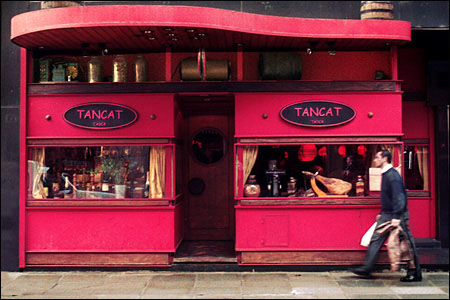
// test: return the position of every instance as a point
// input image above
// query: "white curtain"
(38, 159)
(422, 158)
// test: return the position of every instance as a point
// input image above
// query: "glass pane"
(312, 170)
(416, 167)
(95, 172)
(208, 146)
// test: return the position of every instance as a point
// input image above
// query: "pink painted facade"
(380, 118)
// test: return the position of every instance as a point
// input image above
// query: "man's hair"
(386, 153)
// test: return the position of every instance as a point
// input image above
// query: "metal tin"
(120, 69)
(95, 70)
(218, 69)
(140, 69)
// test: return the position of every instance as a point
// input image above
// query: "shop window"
(417, 174)
(85, 172)
(208, 146)
(314, 170)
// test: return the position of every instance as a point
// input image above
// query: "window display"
(416, 167)
(315, 170)
(97, 172)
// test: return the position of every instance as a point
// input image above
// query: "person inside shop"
(351, 171)
(394, 208)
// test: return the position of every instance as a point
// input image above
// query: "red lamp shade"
(323, 151)
(307, 152)
(342, 151)
(361, 150)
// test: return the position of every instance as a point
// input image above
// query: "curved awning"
(149, 28)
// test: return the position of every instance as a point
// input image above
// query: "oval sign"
(317, 113)
(100, 115)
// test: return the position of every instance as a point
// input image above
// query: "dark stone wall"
(10, 68)
(421, 14)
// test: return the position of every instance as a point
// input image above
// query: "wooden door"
(209, 180)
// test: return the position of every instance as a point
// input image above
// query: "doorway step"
(206, 252)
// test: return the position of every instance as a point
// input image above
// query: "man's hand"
(395, 222)
(378, 217)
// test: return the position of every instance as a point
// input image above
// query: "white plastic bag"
(365, 241)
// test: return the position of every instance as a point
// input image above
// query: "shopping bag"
(365, 241)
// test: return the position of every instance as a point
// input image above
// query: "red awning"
(148, 28)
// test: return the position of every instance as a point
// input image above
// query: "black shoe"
(361, 273)
(411, 278)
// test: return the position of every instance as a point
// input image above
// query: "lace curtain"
(250, 154)
(249, 158)
(157, 172)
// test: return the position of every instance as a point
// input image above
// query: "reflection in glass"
(96, 172)
(319, 170)
(208, 146)
(416, 167)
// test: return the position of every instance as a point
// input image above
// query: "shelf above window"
(211, 87)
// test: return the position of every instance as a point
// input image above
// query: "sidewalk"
(219, 285)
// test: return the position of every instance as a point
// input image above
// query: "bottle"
(67, 194)
(147, 186)
(360, 186)
(74, 179)
(120, 68)
(140, 69)
(105, 183)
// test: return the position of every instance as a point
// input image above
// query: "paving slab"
(219, 280)
(143, 284)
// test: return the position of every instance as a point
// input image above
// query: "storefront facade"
(123, 172)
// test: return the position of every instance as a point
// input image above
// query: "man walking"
(394, 204)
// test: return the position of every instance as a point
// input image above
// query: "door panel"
(210, 214)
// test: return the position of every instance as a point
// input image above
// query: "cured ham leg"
(334, 185)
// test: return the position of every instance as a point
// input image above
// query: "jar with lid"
(120, 68)
(140, 69)
(95, 70)
(360, 186)
(292, 187)
(252, 188)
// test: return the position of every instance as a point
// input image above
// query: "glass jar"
(95, 70)
(140, 69)
(252, 189)
(120, 68)
(360, 186)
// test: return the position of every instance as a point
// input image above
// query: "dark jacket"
(393, 195)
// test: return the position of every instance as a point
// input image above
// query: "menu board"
(374, 179)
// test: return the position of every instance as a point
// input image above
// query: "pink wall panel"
(317, 228)
(145, 105)
(100, 230)
(386, 120)
(420, 221)
(415, 120)
(302, 228)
